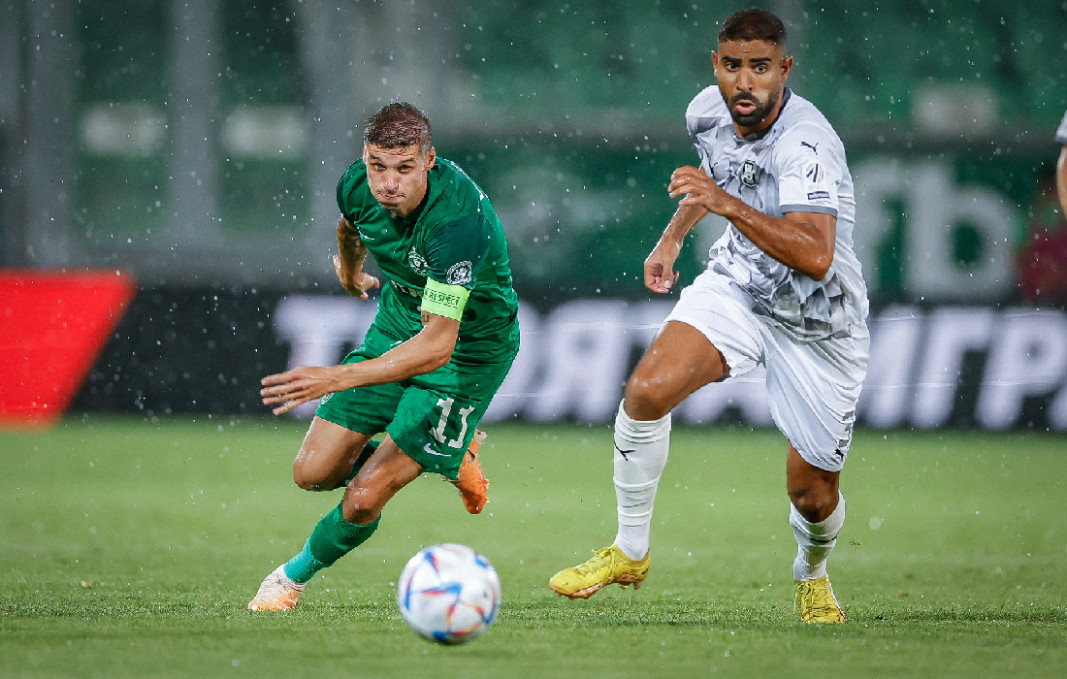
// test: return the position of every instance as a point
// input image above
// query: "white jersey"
(797, 165)
(1061, 132)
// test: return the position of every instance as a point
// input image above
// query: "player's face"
(751, 77)
(397, 176)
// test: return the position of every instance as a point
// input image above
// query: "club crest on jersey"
(417, 262)
(460, 273)
(749, 173)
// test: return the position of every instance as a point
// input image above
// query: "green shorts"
(431, 417)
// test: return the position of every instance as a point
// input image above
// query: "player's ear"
(787, 66)
(431, 158)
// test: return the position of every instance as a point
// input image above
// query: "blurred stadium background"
(195, 146)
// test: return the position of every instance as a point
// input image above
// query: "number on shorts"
(445, 404)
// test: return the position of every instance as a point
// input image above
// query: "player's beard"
(758, 114)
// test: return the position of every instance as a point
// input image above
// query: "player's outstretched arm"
(427, 351)
(348, 263)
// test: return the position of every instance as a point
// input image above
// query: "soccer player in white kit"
(782, 288)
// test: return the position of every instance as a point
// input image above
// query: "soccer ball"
(449, 593)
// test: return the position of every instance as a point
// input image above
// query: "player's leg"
(329, 454)
(813, 389)
(816, 515)
(451, 402)
(680, 360)
(348, 526)
(326, 458)
(356, 518)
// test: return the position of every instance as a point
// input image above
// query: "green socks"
(332, 538)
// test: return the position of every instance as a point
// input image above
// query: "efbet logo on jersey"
(749, 173)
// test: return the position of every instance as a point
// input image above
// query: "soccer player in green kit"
(443, 340)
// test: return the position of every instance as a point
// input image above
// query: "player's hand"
(660, 275)
(696, 188)
(294, 387)
(359, 289)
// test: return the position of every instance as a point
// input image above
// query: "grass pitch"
(131, 547)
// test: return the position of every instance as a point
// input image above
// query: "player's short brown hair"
(753, 24)
(398, 124)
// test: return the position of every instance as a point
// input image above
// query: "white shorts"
(812, 386)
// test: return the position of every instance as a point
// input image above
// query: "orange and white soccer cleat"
(471, 482)
(277, 593)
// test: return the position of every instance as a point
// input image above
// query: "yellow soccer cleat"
(471, 482)
(817, 602)
(608, 565)
(277, 593)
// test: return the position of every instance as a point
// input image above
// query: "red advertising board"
(52, 327)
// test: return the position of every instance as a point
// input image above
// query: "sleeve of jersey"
(455, 254)
(351, 201)
(699, 118)
(810, 170)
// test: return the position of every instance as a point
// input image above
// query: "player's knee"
(814, 503)
(646, 398)
(307, 477)
(361, 516)
(360, 507)
(307, 483)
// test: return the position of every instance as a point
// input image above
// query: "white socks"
(815, 541)
(640, 456)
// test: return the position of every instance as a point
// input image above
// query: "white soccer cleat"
(277, 593)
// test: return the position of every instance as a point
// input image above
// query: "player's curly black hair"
(399, 124)
(753, 24)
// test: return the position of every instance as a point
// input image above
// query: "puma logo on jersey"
(811, 146)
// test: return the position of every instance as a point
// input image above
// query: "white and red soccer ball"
(449, 593)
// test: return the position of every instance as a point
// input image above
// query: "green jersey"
(452, 238)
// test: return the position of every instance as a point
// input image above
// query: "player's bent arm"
(348, 263)
(660, 275)
(806, 243)
(803, 241)
(427, 351)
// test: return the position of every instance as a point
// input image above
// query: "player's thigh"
(679, 361)
(327, 454)
(813, 389)
(438, 414)
(710, 335)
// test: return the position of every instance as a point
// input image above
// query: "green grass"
(131, 547)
